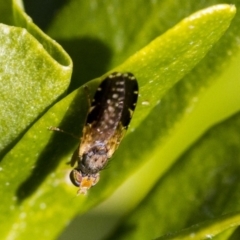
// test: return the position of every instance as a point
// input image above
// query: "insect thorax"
(94, 159)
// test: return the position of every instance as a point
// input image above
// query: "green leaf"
(203, 183)
(38, 200)
(35, 72)
(208, 229)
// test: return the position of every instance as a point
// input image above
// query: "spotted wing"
(111, 110)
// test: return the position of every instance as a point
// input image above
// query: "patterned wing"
(112, 104)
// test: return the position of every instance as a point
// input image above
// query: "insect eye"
(75, 177)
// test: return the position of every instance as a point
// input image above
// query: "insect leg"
(56, 129)
(75, 157)
(87, 92)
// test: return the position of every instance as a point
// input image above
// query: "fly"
(107, 121)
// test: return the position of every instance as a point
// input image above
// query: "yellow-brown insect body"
(108, 118)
